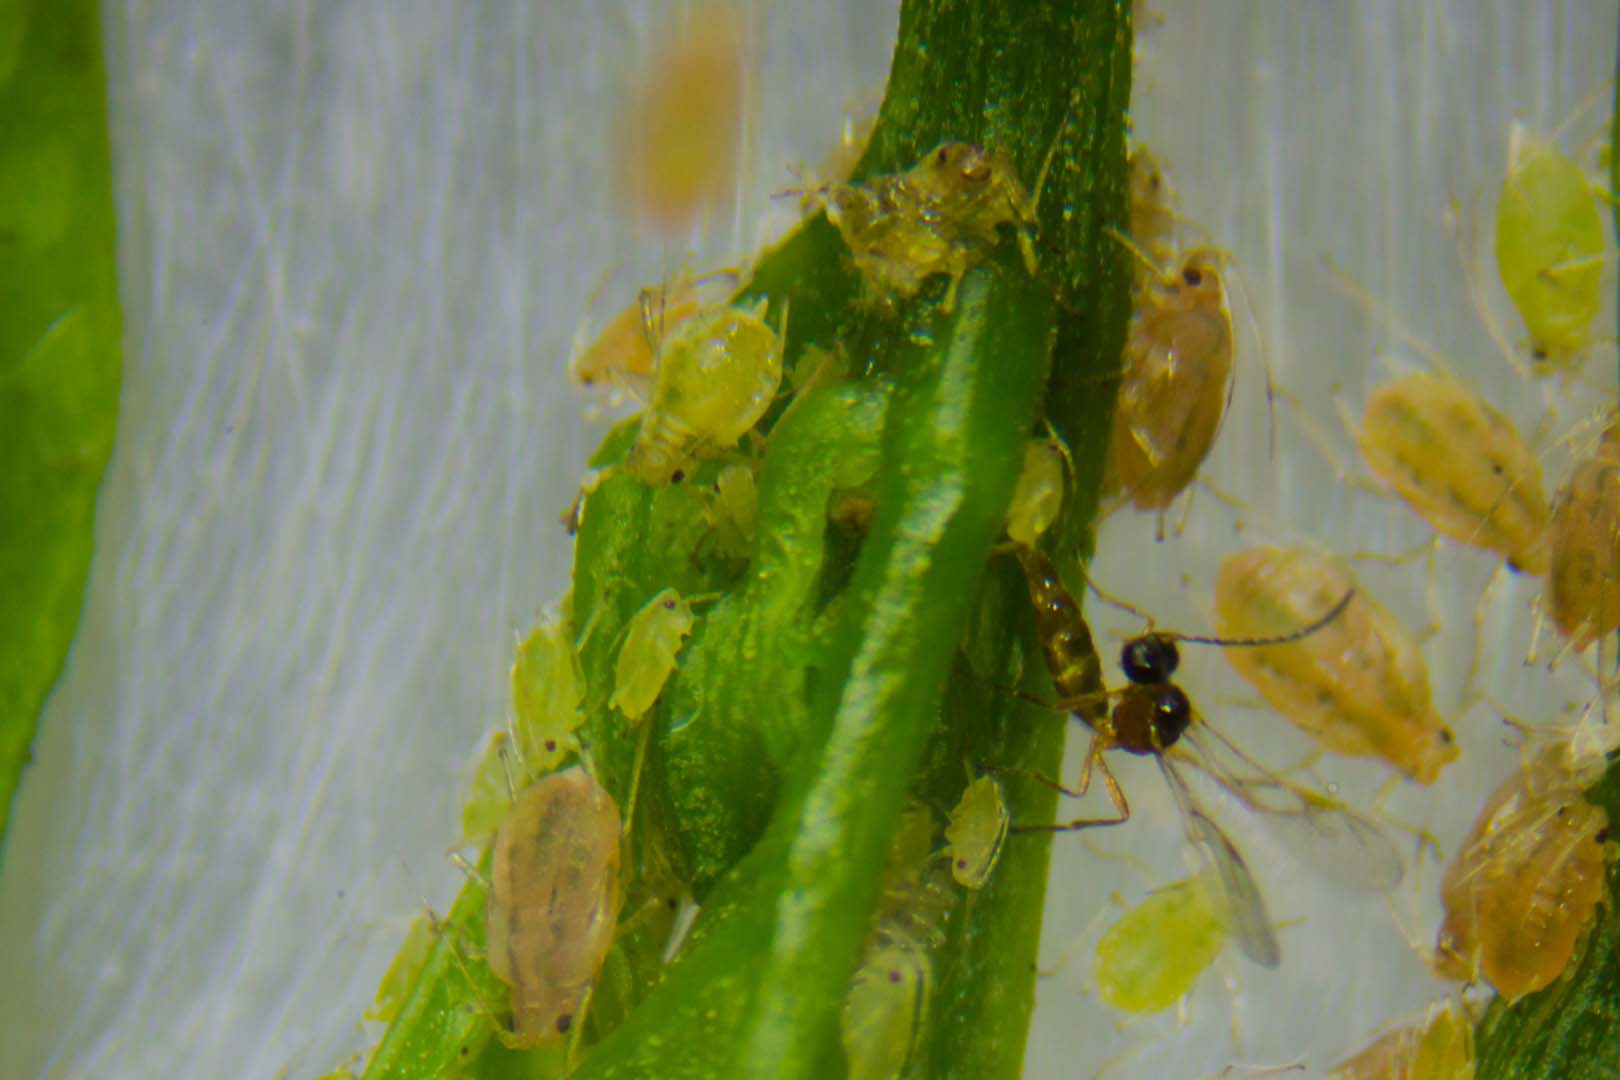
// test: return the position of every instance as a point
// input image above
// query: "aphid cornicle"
(942, 216)
(1549, 247)
(1441, 1047)
(647, 657)
(1152, 716)
(717, 374)
(1174, 384)
(1459, 464)
(1359, 685)
(1155, 953)
(553, 900)
(1583, 540)
(1526, 882)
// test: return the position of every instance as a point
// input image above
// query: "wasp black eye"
(1150, 659)
(1172, 712)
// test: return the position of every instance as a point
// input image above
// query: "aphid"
(553, 900)
(1583, 540)
(647, 657)
(1153, 955)
(884, 1010)
(625, 354)
(717, 374)
(1150, 716)
(1526, 882)
(1549, 247)
(1358, 686)
(547, 689)
(1441, 1047)
(1459, 464)
(1153, 213)
(733, 512)
(679, 145)
(1038, 496)
(942, 216)
(1175, 384)
(976, 831)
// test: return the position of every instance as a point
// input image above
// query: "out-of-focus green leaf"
(59, 345)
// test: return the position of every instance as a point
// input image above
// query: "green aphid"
(647, 656)
(400, 978)
(734, 511)
(884, 1010)
(547, 689)
(1549, 247)
(1153, 955)
(976, 832)
(717, 374)
(1038, 497)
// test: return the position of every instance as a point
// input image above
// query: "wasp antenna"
(1305, 631)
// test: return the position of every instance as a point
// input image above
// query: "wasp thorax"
(1149, 719)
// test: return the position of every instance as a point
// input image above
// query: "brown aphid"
(1441, 1047)
(1526, 882)
(942, 216)
(1175, 383)
(1359, 686)
(553, 900)
(1583, 540)
(1459, 464)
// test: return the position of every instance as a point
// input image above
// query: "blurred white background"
(355, 243)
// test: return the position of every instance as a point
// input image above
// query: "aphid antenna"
(1593, 99)
(1297, 1065)
(1353, 290)
(581, 337)
(1280, 639)
(1136, 251)
(1070, 474)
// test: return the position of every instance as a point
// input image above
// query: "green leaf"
(59, 345)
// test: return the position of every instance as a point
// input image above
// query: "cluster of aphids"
(1321, 650)
(1520, 893)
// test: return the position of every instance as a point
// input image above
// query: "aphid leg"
(466, 867)
(1116, 795)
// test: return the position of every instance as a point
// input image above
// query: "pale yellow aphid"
(553, 900)
(624, 356)
(1358, 685)
(547, 690)
(733, 512)
(976, 832)
(717, 374)
(1038, 497)
(887, 1002)
(884, 1010)
(1151, 958)
(1440, 1047)
(647, 657)
(678, 150)
(1524, 886)
(1154, 218)
(1583, 541)
(942, 216)
(1459, 464)
(1175, 383)
(1549, 247)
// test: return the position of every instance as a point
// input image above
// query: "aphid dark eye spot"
(944, 156)
(894, 976)
(564, 1022)
(1446, 736)
(677, 476)
(1601, 836)
(961, 864)
(551, 746)
(669, 605)
(1193, 276)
